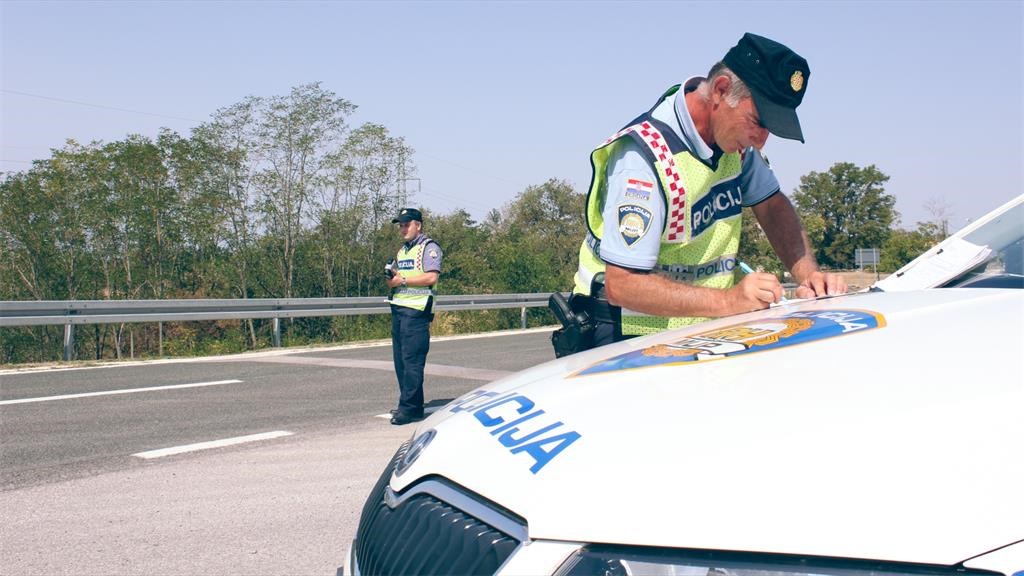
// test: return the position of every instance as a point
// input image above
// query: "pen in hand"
(748, 270)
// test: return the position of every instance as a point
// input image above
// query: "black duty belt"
(597, 307)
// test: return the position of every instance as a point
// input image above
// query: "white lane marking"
(211, 444)
(110, 392)
(245, 356)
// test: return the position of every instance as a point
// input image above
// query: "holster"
(576, 333)
(578, 316)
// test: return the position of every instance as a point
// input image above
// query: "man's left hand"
(395, 281)
(821, 284)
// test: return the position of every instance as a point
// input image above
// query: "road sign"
(867, 257)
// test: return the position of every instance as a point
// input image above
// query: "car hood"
(872, 425)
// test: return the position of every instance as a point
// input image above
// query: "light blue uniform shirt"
(432, 253)
(757, 182)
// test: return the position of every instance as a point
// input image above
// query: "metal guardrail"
(55, 312)
(71, 312)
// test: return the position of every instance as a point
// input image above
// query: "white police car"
(878, 433)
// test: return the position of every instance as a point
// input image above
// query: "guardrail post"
(277, 333)
(522, 316)
(69, 342)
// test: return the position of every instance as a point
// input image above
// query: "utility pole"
(405, 194)
(403, 191)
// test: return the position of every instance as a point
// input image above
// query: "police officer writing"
(665, 201)
(412, 278)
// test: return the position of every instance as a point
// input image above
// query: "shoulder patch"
(639, 189)
(634, 221)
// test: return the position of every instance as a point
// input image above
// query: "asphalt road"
(106, 470)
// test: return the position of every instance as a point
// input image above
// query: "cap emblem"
(796, 81)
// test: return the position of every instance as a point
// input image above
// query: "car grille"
(424, 534)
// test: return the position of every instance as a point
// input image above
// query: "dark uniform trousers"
(410, 342)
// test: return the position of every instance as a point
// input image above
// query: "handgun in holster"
(577, 331)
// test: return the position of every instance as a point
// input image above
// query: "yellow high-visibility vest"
(703, 212)
(409, 262)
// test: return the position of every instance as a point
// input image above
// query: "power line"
(98, 105)
(115, 108)
(477, 172)
(435, 193)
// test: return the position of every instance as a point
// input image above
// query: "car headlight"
(620, 561)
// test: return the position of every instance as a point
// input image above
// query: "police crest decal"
(633, 222)
(759, 335)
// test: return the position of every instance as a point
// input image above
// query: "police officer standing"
(412, 278)
(665, 201)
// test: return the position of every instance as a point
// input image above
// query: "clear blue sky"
(496, 96)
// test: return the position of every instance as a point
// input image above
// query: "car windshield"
(1003, 269)
(1003, 264)
(986, 254)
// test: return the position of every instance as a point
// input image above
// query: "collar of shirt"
(419, 238)
(683, 125)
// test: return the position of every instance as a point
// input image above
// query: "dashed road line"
(150, 454)
(112, 392)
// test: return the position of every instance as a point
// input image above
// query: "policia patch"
(633, 222)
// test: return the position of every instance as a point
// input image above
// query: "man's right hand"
(756, 291)
(657, 295)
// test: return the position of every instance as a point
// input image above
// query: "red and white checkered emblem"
(676, 221)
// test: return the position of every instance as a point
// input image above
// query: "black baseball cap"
(408, 215)
(777, 78)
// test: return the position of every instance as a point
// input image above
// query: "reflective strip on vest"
(409, 262)
(702, 224)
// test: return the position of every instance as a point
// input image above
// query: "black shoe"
(402, 418)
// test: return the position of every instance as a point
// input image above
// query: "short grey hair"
(737, 89)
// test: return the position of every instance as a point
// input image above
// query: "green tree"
(294, 136)
(227, 143)
(360, 190)
(535, 245)
(149, 209)
(48, 240)
(462, 241)
(853, 208)
(192, 172)
(273, 197)
(755, 250)
(902, 246)
(45, 220)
